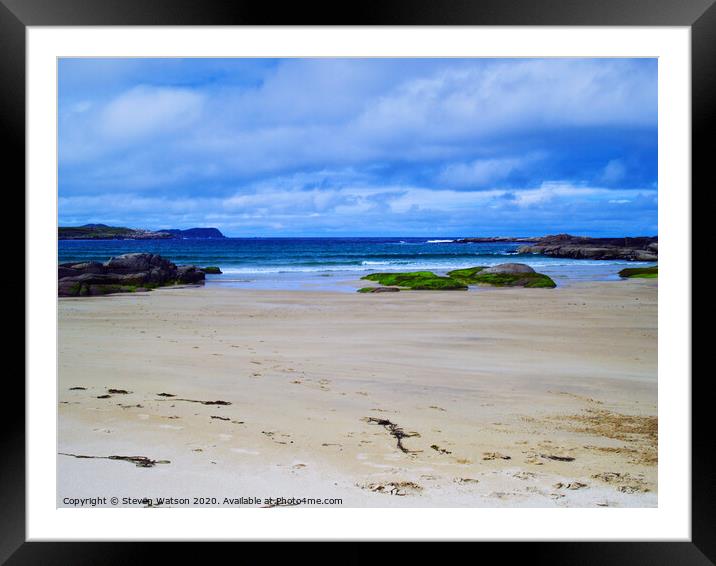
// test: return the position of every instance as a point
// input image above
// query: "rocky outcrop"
(126, 273)
(503, 275)
(578, 247)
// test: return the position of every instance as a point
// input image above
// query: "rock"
(66, 272)
(503, 275)
(640, 272)
(509, 268)
(135, 278)
(89, 267)
(578, 247)
(417, 280)
(132, 263)
(190, 274)
(68, 287)
(92, 279)
(127, 273)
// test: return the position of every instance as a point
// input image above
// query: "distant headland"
(104, 232)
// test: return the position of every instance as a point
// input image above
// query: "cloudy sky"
(360, 147)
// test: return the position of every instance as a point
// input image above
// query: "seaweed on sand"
(397, 432)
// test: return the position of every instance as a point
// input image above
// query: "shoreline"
(565, 275)
(291, 263)
(537, 376)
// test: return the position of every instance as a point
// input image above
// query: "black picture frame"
(16, 15)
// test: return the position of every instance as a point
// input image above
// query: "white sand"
(524, 373)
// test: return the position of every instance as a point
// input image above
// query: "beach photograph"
(357, 282)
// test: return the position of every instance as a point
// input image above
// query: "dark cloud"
(309, 146)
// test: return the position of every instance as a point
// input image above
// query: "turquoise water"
(333, 263)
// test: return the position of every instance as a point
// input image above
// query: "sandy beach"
(490, 398)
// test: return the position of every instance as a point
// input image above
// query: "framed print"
(290, 277)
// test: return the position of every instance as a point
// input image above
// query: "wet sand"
(493, 398)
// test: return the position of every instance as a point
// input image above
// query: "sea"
(335, 264)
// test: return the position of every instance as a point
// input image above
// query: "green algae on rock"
(529, 280)
(417, 280)
(503, 275)
(465, 276)
(640, 272)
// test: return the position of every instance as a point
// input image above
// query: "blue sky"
(360, 147)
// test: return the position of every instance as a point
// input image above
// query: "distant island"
(104, 232)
